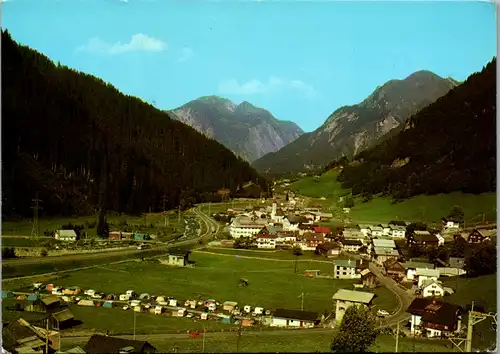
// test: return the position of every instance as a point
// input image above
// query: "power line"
(35, 231)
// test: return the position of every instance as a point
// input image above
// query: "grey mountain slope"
(250, 132)
(351, 129)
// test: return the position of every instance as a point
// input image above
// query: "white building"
(386, 229)
(294, 318)
(425, 274)
(285, 237)
(345, 269)
(397, 231)
(376, 231)
(365, 229)
(431, 288)
(411, 268)
(66, 235)
(440, 240)
(245, 227)
(266, 241)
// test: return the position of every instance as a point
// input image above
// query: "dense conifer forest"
(448, 146)
(84, 146)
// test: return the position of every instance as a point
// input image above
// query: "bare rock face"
(351, 129)
(250, 132)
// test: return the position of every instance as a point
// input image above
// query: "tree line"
(84, 146)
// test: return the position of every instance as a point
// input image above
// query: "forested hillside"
(448, 146)
(83, 145)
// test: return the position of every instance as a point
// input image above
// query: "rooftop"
(428, 272)
(67, 233)
(104, 344)
(296, 315)
(386, 251)
(344, 263)
(383, 243)
(353, 296)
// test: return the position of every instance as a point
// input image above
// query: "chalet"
(383, 243)
(397, 231)
(479, 236)
(328, 249)
(245, 227)
(346, 298)
(303, 228)
(382, 254)
(177, 258)
(432, 288)
(66, 235)
(313, 239)
(104, 344)
(268, 230)
(411, 268)
(364, 229)
(423, 239)
(321, 230)
(368, 279)
(353, 234)
(434, 318)
(376, 231)
(266, 241)
(394, 269)
(449, 224)
(345, 269)
(294, 318)
(424, 274)
(352, 246)
(285, 237)
(386, 229)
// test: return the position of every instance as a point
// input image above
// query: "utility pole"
(35, 231)
(179, 216)
(164, 200)
(47, 336)
(238, 339)
(474, 318)
(397, 340)
(134, 322)
(204, 334)
(302, 302)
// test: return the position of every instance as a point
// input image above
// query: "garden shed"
(61, 319)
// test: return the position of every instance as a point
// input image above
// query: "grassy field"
(287, 342)
(380, 209)
(147, 223)
(222, 207)
(276, 254)
(482, 290)
(273, 284)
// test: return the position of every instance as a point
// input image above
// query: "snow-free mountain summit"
(351, 129)
(249, 131)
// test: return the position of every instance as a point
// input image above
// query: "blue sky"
(301, 60)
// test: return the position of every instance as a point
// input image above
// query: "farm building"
(104, 344)
(127, 235)
(62, 319)
(479, 236)
(346, 298)
(368, 279)
(86, 303)
(423, 239)
(435, 318)
(353, 234)
(48, 304)
(294, 318)
(383, 254)
(329, 249)
(179, 259)
(394, 268)
(66, 235)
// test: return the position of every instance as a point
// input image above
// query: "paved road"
(403, 296)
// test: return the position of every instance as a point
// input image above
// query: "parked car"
(126, 307)
(382, 313)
